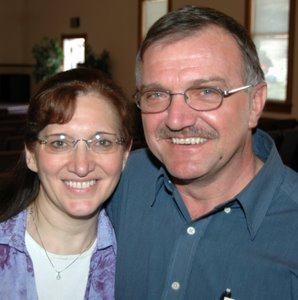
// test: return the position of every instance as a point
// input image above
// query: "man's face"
(193, 144)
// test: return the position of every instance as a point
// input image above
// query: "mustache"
(166, 133)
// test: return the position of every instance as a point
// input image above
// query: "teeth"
(188, 141)
(80, 185)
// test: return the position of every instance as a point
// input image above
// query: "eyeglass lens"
(197, 98)
(99, 143)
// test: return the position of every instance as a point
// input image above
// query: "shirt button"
(191, 230)
(175, 285)
(227, 210)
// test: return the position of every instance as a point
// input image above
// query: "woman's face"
(76, 183)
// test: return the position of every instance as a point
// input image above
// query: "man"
(214, 208)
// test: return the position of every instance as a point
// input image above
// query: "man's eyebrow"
(208, 81)
(152, 86)
(197, 82)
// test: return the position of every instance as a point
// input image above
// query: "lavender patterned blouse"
(16, 268)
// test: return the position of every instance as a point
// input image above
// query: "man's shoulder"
(290, 184)
(142, 160)
(137, 182)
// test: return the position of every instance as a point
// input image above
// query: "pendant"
(58, 277)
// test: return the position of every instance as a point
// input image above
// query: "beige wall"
(109, 24)
(11, 49)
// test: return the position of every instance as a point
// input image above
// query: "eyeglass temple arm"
(230, 92)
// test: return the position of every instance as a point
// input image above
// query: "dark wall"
(14, 88)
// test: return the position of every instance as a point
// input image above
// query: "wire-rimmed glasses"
(100, 142)
(198, 98)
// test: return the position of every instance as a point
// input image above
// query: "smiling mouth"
(189, 141)
(80, 184)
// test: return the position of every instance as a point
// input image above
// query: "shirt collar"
(12, 231)
(105, 232)
(257, 196)
(161, 180)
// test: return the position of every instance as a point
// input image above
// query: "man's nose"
(179, 114)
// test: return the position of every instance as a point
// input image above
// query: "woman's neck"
(61, 235)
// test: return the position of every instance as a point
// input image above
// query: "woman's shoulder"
(13, 226)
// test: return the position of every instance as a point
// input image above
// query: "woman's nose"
(82, 159)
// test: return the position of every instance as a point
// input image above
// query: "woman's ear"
(31, 160)
(258, 101)
(125, 155)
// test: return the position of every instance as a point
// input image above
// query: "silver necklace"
(58, 272)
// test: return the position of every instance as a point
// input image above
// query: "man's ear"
(31, 160)
(258, 101)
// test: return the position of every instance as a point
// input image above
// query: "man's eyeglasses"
(101, 142)
(198, 98)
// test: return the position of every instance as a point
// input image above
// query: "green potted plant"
(48, 55)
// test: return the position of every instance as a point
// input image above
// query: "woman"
(56, 241)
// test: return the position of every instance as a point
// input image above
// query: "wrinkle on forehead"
(210, 53)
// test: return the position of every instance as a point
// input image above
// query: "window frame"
(74, 36)
(141, 17)
(274, 105)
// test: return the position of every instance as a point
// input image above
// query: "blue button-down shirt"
(16, 269)
(248, 244)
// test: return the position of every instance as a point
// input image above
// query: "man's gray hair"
(189, 20)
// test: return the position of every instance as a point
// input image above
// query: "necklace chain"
(58, 273)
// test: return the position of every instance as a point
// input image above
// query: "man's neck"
(201, 195)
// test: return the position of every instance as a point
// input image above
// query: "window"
(73, 50)
(270, 23)
(149, 12)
